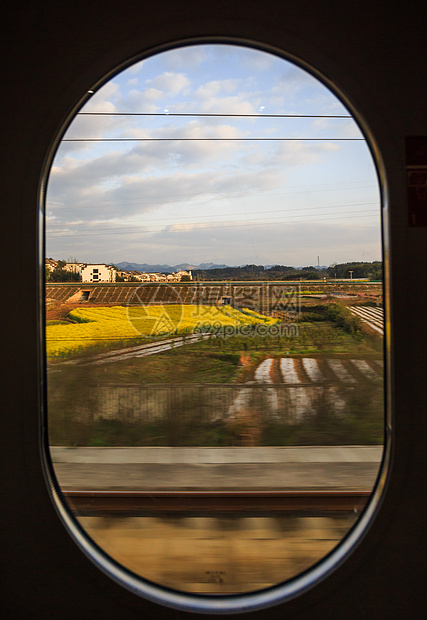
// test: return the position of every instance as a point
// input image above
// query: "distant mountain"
(144, 267)
(183, 266)
(147, 268)
(211, 266)
(314, 266)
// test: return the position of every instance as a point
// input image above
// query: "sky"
(160, 166)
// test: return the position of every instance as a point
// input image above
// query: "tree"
(60, 275)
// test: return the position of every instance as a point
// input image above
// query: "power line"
(214, 114)
(206, 115)
(366, 213)
(212, 139)
(282, 211)
(53, 204)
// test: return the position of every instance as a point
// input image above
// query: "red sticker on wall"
(416, 179)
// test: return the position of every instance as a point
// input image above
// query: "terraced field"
(374, 317)
(307, 370)
(297, 385)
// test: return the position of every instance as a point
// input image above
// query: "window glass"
(214, 319)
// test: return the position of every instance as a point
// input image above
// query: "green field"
(88, 330)
(74, 391)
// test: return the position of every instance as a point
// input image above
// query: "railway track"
(211, 502)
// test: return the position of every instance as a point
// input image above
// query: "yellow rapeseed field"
(99, 327)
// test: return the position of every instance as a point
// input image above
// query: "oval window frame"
(318, 572)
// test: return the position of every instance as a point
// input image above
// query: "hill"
(149, 268)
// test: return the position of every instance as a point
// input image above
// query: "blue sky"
(194, 188)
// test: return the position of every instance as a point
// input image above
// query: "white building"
(157, 277)
(74, 267)
(179, 275)
(98, 273)
(133, 276)
(51, 264)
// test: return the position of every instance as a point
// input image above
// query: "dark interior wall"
(52, 54)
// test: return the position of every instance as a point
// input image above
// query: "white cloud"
(180, 227)
(150, 94)
(213, 88)
(293, 244)
(136, 68)
(159, 200)
(300, 153)
(227, 105)
(169, 82)
(103, 99)
(185, 57)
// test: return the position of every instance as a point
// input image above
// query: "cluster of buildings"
(138, 276)
(108, 273)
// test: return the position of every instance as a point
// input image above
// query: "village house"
(133, 276)
(157, 277)
(154, 277)
(51, 264)
(74, 267)
(180, 274)
(98, 273)
(107, 273)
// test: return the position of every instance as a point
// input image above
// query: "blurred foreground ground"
(220, 554)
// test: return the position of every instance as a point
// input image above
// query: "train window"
(214, 327)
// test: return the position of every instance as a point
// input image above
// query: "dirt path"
(143, 350)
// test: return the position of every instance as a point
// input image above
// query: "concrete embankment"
(242, 468)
